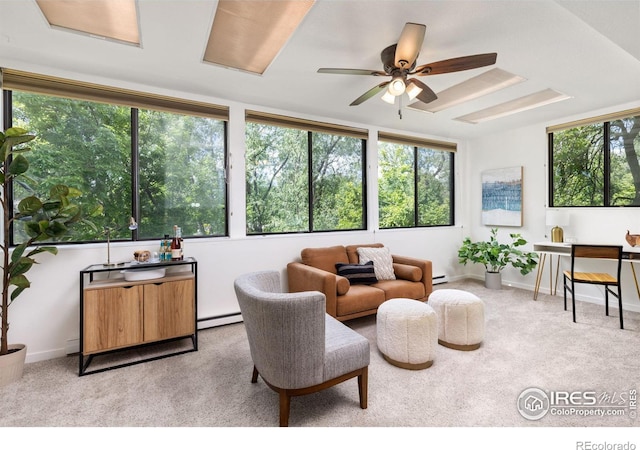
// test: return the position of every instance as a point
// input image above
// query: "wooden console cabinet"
(116, 314)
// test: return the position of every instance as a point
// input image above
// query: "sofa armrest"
(407, 272)
(424, 265)
(302, 277)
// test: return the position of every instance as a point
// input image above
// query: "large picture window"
(303, 176)
(595, 162)
(163, 168)
(415, 182)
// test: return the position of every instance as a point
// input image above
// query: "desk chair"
(571, 277)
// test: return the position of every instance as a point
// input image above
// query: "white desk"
(559, 249)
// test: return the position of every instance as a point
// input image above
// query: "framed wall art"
(502, 197)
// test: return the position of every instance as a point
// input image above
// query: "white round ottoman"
(460, 318)
(407, 333)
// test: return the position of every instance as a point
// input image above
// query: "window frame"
(311, 127)
(426, 144)
(605, 122)
(11, 80)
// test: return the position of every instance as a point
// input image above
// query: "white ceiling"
(589, 50)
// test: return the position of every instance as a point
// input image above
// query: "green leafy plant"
(43, 219)
(496, 256)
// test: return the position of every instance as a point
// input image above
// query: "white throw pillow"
(382, 261)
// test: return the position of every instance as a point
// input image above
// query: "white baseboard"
(560, 294)
(73, 346)
(216, 322)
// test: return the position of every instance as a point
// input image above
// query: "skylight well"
(108, 19)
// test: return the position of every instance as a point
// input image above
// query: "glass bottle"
(176, 244)
(165, 249)
(181, 243)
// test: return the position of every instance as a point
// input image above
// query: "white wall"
(528, 147)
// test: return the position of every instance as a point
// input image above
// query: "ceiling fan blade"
(456, 64)
(352, 71)
(427, 95)
(370, 93)
(409, 45)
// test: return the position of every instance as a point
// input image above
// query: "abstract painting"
(502, 197)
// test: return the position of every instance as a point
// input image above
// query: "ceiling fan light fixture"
(413, 91)
(389, 97)
(397, 86)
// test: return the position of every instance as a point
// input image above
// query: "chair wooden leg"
(363, 383)
(254, 377)
(285, 405)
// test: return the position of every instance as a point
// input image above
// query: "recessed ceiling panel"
(248, 35)
(111, 19)
(483, 84)
(531, 101)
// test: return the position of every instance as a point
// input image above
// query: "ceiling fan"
(399, 62)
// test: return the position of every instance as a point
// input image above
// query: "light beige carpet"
(527, 344)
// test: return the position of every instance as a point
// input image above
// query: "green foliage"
(43, 219)
(397, 186)
(579, 164)
(278, 176)
(496, 256)
(181, 165)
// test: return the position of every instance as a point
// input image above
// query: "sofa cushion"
(382, 261)
(324, 258)
(407, 272)
(401, 289)
(359, 298)
(357, 273)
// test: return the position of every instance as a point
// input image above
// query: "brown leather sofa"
(316, 271)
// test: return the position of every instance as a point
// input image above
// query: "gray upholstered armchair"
(296, 347)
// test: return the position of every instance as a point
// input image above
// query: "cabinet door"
(169, 310)
(112, 318)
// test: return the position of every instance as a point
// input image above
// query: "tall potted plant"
(496, 256)
(44, 219)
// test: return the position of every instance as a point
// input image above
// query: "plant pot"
(493, 280)
(12, 364)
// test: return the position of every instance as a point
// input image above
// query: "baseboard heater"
(440, 279)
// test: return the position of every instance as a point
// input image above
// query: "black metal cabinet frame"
(94, 270)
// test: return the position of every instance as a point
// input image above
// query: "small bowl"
(144, 274)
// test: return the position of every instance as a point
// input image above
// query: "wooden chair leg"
(285, 405)
(254, 377)
(363, 383)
